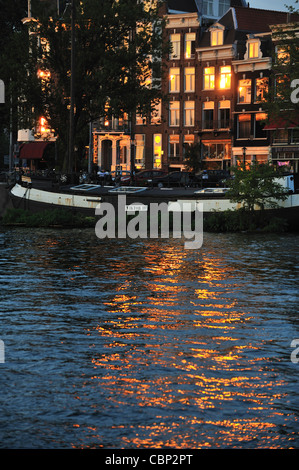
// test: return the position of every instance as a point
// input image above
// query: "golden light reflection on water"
(176, 343)
(180, 346)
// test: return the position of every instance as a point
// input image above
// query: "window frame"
(174, 142)
(216, 37)
(189, 79)
(189, 113)
(208, 107)
(248, 93)
(227, 76)
(174, 113)
(174, 80)
(175, 53)
(209, 77)
(253, 46)
(246, 135)
(189, 45)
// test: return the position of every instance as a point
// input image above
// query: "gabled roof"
(240, 21)
(257, 20)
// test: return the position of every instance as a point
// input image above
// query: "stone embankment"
(5, 201)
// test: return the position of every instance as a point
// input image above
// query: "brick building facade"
(216, 77)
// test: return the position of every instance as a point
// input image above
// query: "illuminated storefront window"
(157, 151)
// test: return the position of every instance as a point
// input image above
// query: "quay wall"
(5, 200)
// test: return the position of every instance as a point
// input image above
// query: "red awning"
(33, 150)
(280, 123)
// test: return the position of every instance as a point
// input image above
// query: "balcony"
(216, 126)
(112, 126)
(280, 141)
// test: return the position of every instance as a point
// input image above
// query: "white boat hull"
(35, 199)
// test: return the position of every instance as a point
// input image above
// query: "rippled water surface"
(143, 344)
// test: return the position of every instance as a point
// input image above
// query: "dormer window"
(216, 37)
(253, 50)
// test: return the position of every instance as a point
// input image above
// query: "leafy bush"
(243, 221)
(47, 218)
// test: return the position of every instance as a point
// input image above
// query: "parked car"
(143, 177)
(211, 177)
(175, 178)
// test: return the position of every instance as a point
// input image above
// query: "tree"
(256, 185)
(193, 157)
(14, 46)
(282, 99)
(118, 50)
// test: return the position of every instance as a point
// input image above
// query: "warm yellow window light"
(225, 77)
(253, 50)
(209, 78)
(189, 42)
(217, 37)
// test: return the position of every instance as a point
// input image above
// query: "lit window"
(189, 45)
(214, 151)
(189, 79)
(253, 51)
(174, 146)
(216, 37)
(282, 83)
(140, 119)
(174, 80)
(225, 77)
(282, 55)
(139, 158)
(244, 91)
(261, 89)
(189, 113)
(209, 78)
(175, 41)
(157, 150)
(174, 113)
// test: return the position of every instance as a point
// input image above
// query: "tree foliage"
(14, 47)
(118, 49)
(193, 157)
(256, 185)
(282, 98)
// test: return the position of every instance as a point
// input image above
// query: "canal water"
(130, 344)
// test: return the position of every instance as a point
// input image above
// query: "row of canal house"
(217, 74)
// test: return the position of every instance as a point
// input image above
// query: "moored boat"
(86, 198)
